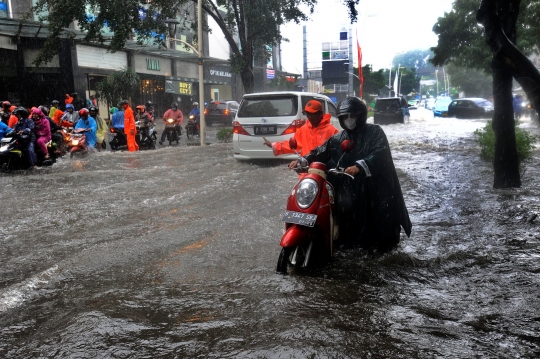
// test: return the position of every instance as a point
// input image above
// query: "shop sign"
(270, 74)
(152, 64)
(184, 88)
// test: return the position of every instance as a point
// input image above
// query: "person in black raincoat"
(370, 209)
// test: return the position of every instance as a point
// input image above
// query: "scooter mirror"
(346, 146)
(292, 143)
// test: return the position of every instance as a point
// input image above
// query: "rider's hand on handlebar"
(352, 170)
(293, 164)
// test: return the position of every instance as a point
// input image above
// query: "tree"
(460, 43)
(255, 23)
(473, 83)
(119, 85)
(414, 59)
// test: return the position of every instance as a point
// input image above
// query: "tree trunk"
(247, 79)
(506, 160)
(499, 19)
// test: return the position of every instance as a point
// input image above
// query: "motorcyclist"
(5, 113)
(117, 118)
(89, 124)
(102, 127)
(25, 130)
(42, 129)
(312, 134)
(144, 120)
(370, 209)
(178, 117)
(54, 107)
(56, 134)
(70, 115)
(149, 106)
(196, 111)
(4, 129)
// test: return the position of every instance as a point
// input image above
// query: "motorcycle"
(150, 140)
(118, 139)
(310, 222)
(192, 128)
(77, 142)
(170, 131)
(13, 155)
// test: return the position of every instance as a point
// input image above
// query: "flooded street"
(172, 253)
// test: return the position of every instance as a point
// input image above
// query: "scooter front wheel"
(283, 260)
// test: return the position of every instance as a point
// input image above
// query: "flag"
(396, 81)
(360, 73)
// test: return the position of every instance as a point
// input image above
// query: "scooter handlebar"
(340, 173)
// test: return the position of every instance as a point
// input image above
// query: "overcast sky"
(385, 28)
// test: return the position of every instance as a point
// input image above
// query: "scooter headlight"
(306, 192)
(75, 142)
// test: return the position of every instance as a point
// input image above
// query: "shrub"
(486, 139)
(224, 135)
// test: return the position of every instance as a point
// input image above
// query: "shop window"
(154, 90)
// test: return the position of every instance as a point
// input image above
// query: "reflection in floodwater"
(171, 253)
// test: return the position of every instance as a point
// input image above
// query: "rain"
(171, 253)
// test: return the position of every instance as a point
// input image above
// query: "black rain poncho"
(371, 208)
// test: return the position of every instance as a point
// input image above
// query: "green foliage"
(462, 40)
(225, 135)
(280, 83)
(473, 82)
(119, 85)
(415, 59)
(486, 138)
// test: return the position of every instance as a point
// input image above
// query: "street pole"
(201, 69)
(390, 81)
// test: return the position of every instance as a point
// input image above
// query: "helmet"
(174, 104)
(6, 104)
(69, 106)
(21, 111)
(195, 104)
(124, 102)
(44, 109)
(113, 110)
(83, 112)
(55, 102)
(92, 108)
(355, 107)
(140, 107)
(149, 103)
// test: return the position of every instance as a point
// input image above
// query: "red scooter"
(310, 225)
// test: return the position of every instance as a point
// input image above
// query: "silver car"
(274, 115)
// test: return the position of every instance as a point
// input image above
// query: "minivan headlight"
(306, 192)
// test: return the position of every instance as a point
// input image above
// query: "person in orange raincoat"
(13, 119)
(68, 99)
(129, 127)
(311, 135)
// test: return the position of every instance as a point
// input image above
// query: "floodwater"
(171, 254)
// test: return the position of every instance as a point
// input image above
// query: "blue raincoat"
(91, 124)
(4, 129)
(118, 119)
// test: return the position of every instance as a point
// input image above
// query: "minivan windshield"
(268, 106)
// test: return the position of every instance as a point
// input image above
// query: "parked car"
(440, 108)
(274, 115)
(470, 108)
(220, 112)
(391, 110)
(429, 103)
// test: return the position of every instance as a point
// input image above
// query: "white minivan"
(276, 116)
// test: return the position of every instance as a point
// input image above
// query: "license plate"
(265, 130)
(303, 219)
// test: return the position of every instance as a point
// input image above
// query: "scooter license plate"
(303, 219)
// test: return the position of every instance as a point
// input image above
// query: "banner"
(360, 72)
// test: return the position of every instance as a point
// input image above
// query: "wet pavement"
(171, 253)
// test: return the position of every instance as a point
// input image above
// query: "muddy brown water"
(171, 254)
